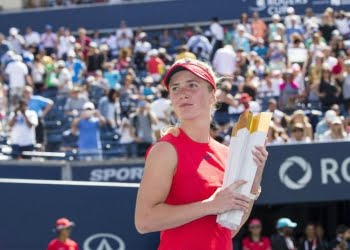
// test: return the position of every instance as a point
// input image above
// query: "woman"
(299, 117)
(336, 132)
(311, 241)
(180, 191)
(255, 241)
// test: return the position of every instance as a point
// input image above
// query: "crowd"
(55, 3)
(312, 238)
(104, 91)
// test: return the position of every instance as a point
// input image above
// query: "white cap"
(276, 17)
(330, 115)
(337, 120)
(71, 53)
(148, 79)
(93, 45)
(60, 63)
(13, 31)
(142, 35)
(347, 62)
(240, 27)
(290, 10)
(88, 105)
(153, 52)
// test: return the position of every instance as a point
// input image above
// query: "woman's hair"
(111, 94)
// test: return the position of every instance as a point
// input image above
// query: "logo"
(274, 6)
(104, 241)
(293, 162)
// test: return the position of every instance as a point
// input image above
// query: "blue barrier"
(156, 13)
(293, 173)
(100, 212)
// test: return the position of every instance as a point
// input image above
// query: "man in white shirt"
(32, 38)
(124, 30)
(162, 110)
(217, 34)
(22, 123)
(224, 62)
(291, 16)
(142, 47)
(18, 75)
(15, 40)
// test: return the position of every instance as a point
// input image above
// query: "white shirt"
(162, 109)
(343, 26)
(274, 90)
(217, 31)
(49, 40)
(33, 38)
(143, 47)
(17, 72)
(21, 134)
(64, 45)
(331, 61)
(224, 62)
(126, 31)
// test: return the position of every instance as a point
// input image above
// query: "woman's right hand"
(228, 199)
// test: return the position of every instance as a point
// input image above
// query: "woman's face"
(190, 96)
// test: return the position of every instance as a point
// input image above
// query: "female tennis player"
(180, 193)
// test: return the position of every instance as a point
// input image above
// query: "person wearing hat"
(283, 239)
(323, 125)
(75, 102)
(199, 45)
(15, 40)
(88, 125)
(336, 131)
(217, 35)
(63, 228)
(255, 241)
(142, 47)
(84, 41)
(76, 66)
(182, 53)
(155, 65)
(346, 85)
(180, 193)
(288, 20)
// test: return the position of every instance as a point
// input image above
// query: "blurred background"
(81, 100)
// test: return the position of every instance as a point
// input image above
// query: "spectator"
(64, 78)
(162, 109)
(217, 33)
(95, 59)
(325, 123)
(155, 65)
(224, 62)
(108, 108)
(294, 28)
(241, 39)
(127, 140)
(329, 91)
(166, 58)
(63, 229)
(273, 26)
(290, 17)
(88, 126)
(37, 74)
(311, 241)
(142, 47)
(15, 40)
(255, 241)
(32, 38)
(165, 39)
(299, 116)
(111, 75)
(18, 76)
(65, 44)
(182, 53)
(336, 132)
(346, 85)
(298, 134)
(49, 41)
(283, 239)
(277, 114)
(327, 26)
(41, 106)
(124, 31)
(22, 123)
(340, 236)
(289, 93)
(76, 67)
(142, 121)
(75, 103)
(258, 26)
(200, 45)
(224, 101)
(320, 232)
(4, 47)
(260, 48)
(84, 41)
(276, 135)
(276, 53)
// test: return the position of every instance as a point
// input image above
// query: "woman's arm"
(153, 214)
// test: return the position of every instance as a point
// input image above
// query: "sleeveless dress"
(199, 173)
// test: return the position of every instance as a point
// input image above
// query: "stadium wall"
(143, 14)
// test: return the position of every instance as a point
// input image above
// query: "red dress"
(199, 173)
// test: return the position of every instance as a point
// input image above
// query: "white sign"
(104, 241)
